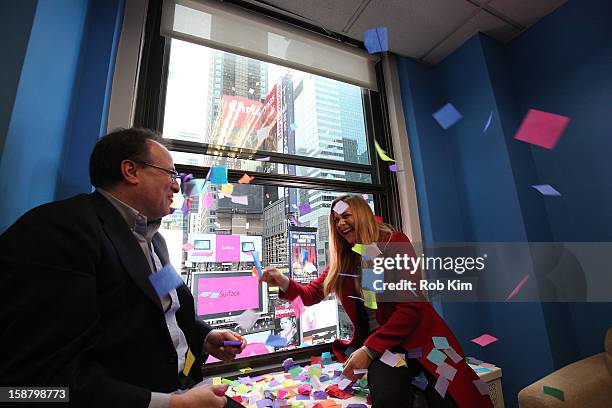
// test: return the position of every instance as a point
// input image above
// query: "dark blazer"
(78, 309)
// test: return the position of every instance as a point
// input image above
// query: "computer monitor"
(248, 246)
(225, 294)
(202, 244)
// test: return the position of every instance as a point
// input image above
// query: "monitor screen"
(225, 294)
(248, 246)
(203, 244)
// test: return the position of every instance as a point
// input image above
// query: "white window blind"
(232, 29)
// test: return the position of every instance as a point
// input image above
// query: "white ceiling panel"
(481, 22)
(526, 12)
(415, 26)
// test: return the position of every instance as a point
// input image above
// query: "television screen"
(203, 244)
(248, 246)
(225, 294)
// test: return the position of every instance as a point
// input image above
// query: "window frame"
(149, 113)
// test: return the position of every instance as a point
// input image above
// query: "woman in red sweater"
(398, 326)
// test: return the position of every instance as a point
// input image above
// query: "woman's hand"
(359, 359)
(274, 277)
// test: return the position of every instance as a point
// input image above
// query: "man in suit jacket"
(78, 309)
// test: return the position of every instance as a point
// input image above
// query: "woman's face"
(285, 323)
(345, 225)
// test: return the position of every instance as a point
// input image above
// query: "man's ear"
(130, 171)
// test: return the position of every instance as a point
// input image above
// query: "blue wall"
(60, 101)
(475, 186)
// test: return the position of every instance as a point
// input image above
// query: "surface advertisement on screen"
(223, 248)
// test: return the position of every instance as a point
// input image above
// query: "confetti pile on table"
(318, 385)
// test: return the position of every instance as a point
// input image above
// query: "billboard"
(303, 254)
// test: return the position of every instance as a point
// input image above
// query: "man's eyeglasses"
(172, 173)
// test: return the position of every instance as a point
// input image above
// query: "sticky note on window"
(276, 341)
(382, 153)
(447, 116)
(376, 40)
(340, 207)
(546, 189)
(436, 356)
(305, 209)
(165, 280)
(242, 200)
(245, 179)
(554, 392)
(255, 255)
(218, 175)
(484, 340)
(246, 319)
(298, 306)
(542, 128)
(440, 343)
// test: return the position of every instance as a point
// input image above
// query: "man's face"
(157, 187)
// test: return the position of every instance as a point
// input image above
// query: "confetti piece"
(369, 300)
(379, 219)
(358, 371)
(542, 128)
(482, 387)
(554, 392)
(365, 197)
(436, 356)
(441, 386)
(381, 153)
(488, 122)
(420, 384)
(484, 340)
(393, 168)
(165, 280)
(246, 319)
(376, 40)
(447, 371)
(298, 306)
(546, 189)
(189, 360)
(454, 356)
(359, 248)
(447, 116)
(373, 251)
(232, 343)
(518, 287)
(187, 246)
(218, 175)
(440, 343)
(227, 189)
(340, 207)
(348, 274)
(344, 383)
(415, 353)
(245, 179)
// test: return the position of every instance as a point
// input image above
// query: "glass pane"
(201, 160)
(213, 241)
(220, 98)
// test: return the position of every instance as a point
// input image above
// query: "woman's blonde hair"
(342, 259)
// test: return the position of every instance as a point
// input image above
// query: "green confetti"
(554, 392)
(381, 153)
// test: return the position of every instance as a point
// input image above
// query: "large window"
(302, 139)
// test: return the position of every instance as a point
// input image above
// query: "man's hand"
(214, 344)
(209, 396)
(359, 359)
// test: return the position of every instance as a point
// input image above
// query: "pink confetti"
(298, 306)
(484, 340)
(541, 128)
(187, 246)
(393, 167)
(518, 288)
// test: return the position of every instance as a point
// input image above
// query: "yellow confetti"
(369, 299)
(189, 360)
(227, 189)
(246, 370)
(359, 248)
(381, 153)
